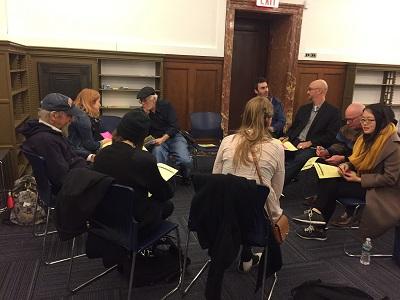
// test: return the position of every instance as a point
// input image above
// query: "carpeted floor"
(303, 260)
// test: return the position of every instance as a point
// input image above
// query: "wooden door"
(333, 73)
(249, 62)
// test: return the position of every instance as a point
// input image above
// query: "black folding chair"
(45, 197)
(114, 222)
(206, 126)
(109, 123)
(258, 237)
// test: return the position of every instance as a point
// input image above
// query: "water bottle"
(365, 258)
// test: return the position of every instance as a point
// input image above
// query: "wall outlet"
(311, 55)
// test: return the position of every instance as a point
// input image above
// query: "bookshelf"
(15, 105)
(369, 84)
(121, 79)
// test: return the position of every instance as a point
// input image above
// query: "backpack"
(25, 200)
(318, 290)
(156, 265)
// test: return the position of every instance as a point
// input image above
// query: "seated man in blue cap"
(164, 128)
(45, 137)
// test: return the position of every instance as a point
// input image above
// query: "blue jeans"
(176, 147)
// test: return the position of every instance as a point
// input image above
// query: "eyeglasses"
(311, 88)
(363, 120)
(349, 120)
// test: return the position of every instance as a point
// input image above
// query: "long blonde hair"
(86, 100)
(253, 130)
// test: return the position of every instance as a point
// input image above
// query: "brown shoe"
(343, 221)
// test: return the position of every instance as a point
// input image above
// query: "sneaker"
(310, 216)
(311, 233)
(245, 266)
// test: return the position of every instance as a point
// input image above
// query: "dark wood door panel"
(249, 62)
(192, 84)
(333, 73)
(176, 90)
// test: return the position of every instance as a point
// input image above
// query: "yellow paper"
(166, 171)
(207, 145)
(326, 171)
(289, 146)
(310, 163)
(106, 144)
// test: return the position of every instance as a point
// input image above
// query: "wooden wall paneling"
(192, 84)
(333, 73)
(176, 90)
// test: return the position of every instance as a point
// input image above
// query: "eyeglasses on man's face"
(350, 120)
(311, 88)
(367, 120)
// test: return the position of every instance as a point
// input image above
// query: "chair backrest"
(206, 125)
(109, 123)
(43, 183)
(113, 219)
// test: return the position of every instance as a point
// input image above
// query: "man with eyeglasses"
(345, 138)
(334, 155)
(164, 128)
(315, 123)
(45, 137)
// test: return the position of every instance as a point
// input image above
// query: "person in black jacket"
(128, 164)
(315, 124)
(165, 129)
(45, 137)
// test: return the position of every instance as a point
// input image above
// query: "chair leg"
(81, 286)
(39, 234)
(178, 240)
(185, 259)
(131, 275)
(196, 277)
(350, 254)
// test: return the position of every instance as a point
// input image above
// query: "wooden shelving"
(15, 96)
(121, 80)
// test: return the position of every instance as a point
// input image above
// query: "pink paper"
(106, 135)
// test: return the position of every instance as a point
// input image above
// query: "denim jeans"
(176, 147)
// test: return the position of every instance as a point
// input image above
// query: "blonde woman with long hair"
(235, 157)
(84, 131)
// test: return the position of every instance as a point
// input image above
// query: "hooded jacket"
(53, 146)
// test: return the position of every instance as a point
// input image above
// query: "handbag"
(280, 228)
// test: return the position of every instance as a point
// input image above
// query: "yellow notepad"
(289, 146)
(207, 145)
(326, 171)
(166, 171)
(310, 163)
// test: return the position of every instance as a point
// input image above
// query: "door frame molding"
(295, 11)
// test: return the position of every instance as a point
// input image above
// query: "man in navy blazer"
(315, 124)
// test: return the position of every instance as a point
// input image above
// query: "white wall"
(364, 31)
(3, 20)
(336, 30)
(154, 26)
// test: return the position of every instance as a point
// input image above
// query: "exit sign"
(268, 3)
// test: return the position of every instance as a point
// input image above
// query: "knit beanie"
(134, 126)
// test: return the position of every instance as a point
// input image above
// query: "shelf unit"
(369, 84)
(121, 79)
(15, 105)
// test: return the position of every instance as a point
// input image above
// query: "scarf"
(362, 159)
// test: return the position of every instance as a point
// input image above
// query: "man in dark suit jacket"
(315, 124)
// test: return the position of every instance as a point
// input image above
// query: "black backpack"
(157, 265)
(318, 290)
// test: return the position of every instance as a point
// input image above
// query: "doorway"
(259, 42)
(250, 48)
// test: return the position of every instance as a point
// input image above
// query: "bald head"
(353, 114)
(317, 91)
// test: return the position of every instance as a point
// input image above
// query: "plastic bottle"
(365, 258)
